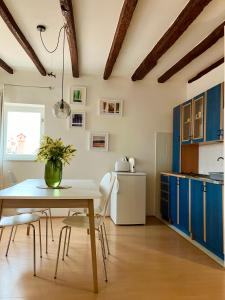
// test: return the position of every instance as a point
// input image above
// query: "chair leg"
(106, 238)
(103, 242)
(46, 228)
(68, 244)
(69, 213)
(59, 246)
(34, 247)
(28, 229)
(13, 239)
(64, 248)
(40, 241)
(10, 238)
(50, 216)
(2, 229)
(103, 256)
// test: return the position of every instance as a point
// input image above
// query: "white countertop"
(28, 189)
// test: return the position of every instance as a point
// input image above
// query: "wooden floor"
(147, 262)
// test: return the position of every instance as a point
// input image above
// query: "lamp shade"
(61, 110)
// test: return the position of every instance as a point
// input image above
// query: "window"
(23, 129)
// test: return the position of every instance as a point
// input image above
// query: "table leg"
(93, 246)
(1, 208)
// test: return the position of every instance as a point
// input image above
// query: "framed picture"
(99, 141)
(78, 95)
(77, 119)
(111, 107)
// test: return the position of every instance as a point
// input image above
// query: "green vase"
(53, 173)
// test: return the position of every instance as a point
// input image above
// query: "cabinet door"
(173, 199)
(198, 118)
(197, 211)
(165, 195)
(214, 221)
(183, 222)
(186, 122)
(213, 114)
(176, 139)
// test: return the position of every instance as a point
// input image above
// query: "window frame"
(21, 107)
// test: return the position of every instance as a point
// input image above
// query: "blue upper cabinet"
(214, 119)
(198, 104)
(201, 119)
(176, 139)
(186, 124)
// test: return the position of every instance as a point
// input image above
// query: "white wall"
(208, 154)
(204, 83)
(147, 110)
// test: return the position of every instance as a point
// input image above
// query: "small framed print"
(78, 95)
(111, 107)
(99, 141)
(77, 119)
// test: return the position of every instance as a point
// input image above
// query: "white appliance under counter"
(128, 198)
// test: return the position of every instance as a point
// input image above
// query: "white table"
(80, 195)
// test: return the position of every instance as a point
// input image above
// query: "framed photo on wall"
(111, 107)
(99, 141)
(77, 119)
(78, 95)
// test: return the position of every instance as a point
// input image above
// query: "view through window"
(23, 130)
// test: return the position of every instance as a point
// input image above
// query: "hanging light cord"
(57, 45)
(63, 60)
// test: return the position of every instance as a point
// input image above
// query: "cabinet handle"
(203, 188)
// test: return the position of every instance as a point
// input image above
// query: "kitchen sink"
(216, 175)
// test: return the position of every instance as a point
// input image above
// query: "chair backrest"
(105, 187)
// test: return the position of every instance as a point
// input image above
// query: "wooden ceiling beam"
(14, 28)
(121, 30)
(207, 70)
(6, 67)
(67, 11)
(209, 41)
(185, 18)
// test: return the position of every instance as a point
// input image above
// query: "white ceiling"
(96, 21)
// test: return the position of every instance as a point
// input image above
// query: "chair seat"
(30, 210)
(18, 220)
(80, 221)
(97, 211)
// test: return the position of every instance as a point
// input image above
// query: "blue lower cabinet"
(183, 214)
(214, 219)
(197, 211)
(164, 199)
(173, 181)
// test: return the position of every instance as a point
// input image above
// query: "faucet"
(219, 158)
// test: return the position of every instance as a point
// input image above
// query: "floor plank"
(147, 262)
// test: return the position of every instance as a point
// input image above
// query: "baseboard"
(196, 244)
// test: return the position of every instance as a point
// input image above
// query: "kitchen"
(134, 91)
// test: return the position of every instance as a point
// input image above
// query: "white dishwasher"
(128, 198)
